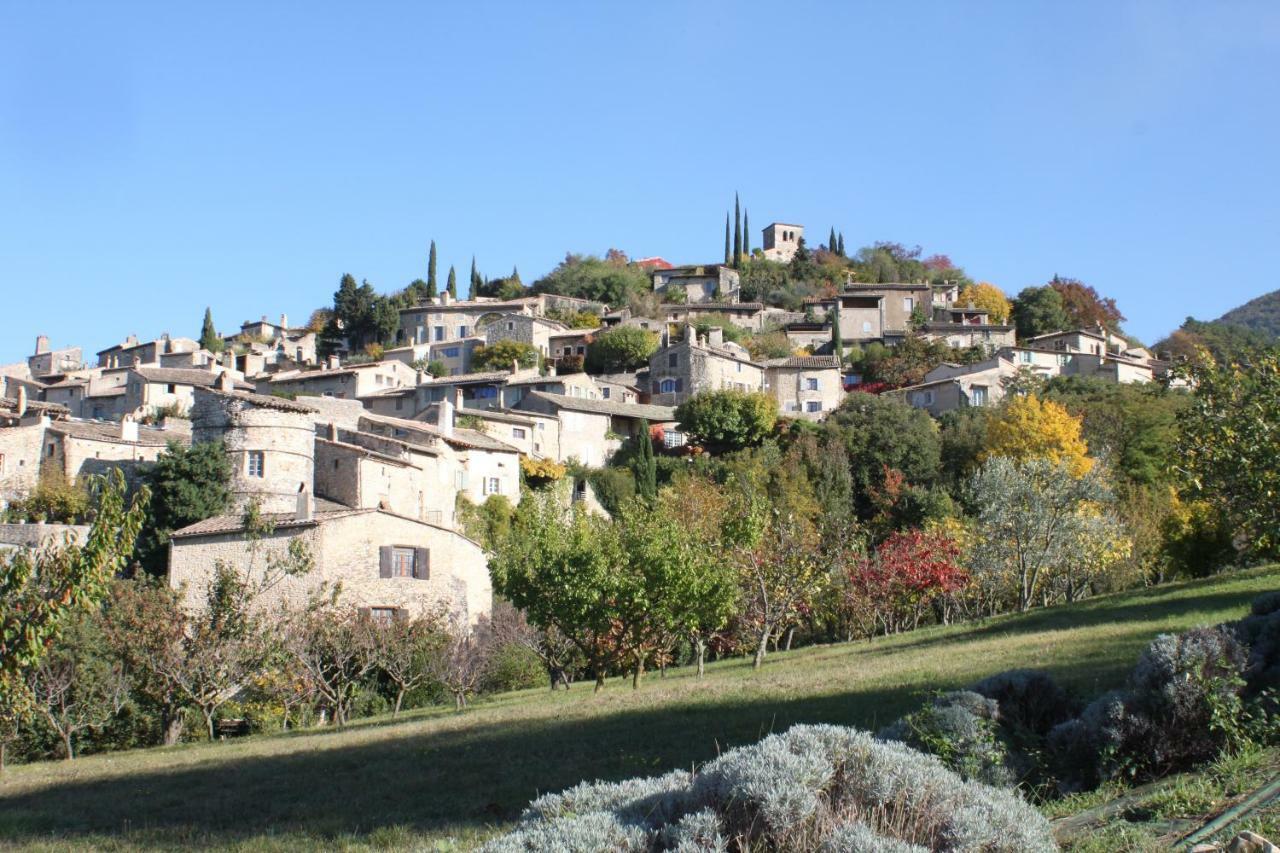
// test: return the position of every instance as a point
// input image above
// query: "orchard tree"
(621, 348)
(1038, 311)
(779, 572)
(501, 354)
(985, 296)
(1034, 520)
(146, 627)
(1229, 454)
(403, 650)
(459, 661)
(907, 574)
(1031, 428)
(78, 685)
(1084, 307)
(333, 650)
(728, 420)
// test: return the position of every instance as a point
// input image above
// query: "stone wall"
(20, 451)
(39, 535)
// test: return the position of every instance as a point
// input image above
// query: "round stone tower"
(270, 442)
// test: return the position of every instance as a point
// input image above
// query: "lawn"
(434, 775)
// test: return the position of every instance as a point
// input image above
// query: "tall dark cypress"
(737, 231)
(746, 235)
(453, 282)
(840, 244)
(432, 283)
(476, 281)
(831, 242)
(646, 469)
(728, 258)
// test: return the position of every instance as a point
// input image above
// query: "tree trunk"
(395, 712)
(599, 680)
(638, 672)
(791, 632)
(208, 722)
(762, 646)
(700, 648)
(172, 728)
(68, 750)
(458, 702)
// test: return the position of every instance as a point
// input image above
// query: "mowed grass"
(438, 778)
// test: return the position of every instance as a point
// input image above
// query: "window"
(582, 350)
(908, 304)
(486, 392)
(541, 425)
(462, 331)
(978, 395)
(1063, 358)
(519, 432)
(49, 451)
(922, 398)
(403, 561)
(667, 386)
(511, 327)
(739, 366)
(399, 403)
(1026, 357)
(604, 392)
(492, 486)
(255, 463)
(813, 406)
(383, 615)
(866, 325)
(451, 352)
(673, 360)
(811, 384)
(171, 388)
(438, 333)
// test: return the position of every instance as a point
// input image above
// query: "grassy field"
(438, 777)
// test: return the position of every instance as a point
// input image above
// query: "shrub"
(1182, 707)
(1029, 700)
(513, 667)
(812, 788)
(1260, 631)
(960, 728)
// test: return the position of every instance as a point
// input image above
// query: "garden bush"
(959, 728)
(1030, 701)
(1182, 706)
(1260, 631)
(812, 788)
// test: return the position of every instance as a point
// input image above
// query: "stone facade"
(450, 320)
(348, 547)
(705, 283)
(693, 364)
(781, 241)
(348, 382)
(534, 331)
(807, 387)
(987, 336)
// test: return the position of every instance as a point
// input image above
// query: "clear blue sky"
(158, 158)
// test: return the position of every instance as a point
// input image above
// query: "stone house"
(748, 315)
(379, 528)
(953, 386)
(149, 390)
(807, 387)
(571, 343)
(591, 431)
(455, 356)
(345, 382)
(782, 241)
(876, 312)
(537, 332)
(578, 385)
(693, 364)
(988, 336)
(814, 336)
(534, 434)
(447, 319)
(700, 283)
(45, 362)
(131, 351)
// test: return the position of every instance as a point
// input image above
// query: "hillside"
(435, 774)
(1261, 315)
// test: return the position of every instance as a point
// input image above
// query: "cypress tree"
(475, 279)
(646, 469)
(737, 231)
(515, 275)
(452, 284)
(432, 284)
(831, 242)
(837, 340)
(840, 244)
(746, 235)
(728, 258)
(209, 339)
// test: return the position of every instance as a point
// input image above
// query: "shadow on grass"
(463, 780)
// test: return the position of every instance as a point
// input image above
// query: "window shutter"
(365, 612)
(422, 563)
(679, 385)
(384, 561)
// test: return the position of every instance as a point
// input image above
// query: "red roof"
(654, 263)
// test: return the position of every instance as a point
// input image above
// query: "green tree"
(500, 355)
(831, 241)
(78, 685)
(188, 484)
(728, 245)
(476, 281)
(840, 244)
(746, 236)
(644, 465)
(433, 284)
(1039, 311)
(596, 279)
(883, 435)
(209, 338)
(621, 348)
(39, 590)
(1229, 454)
(728, 420)
(452, 285)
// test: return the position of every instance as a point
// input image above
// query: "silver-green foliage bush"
(812, 788)
(960, 729)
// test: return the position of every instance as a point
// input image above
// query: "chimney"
(21, 408)
(446, 298)
(421, 377)
(264, 319)
(715, 337)
(333, 363)
(128, 429)
(332, 431)
(225, 382)
(306, 508)
(515, 365)
(229, 359)
(445, 419)
(690, 333)
(42, 344)
(284, 322)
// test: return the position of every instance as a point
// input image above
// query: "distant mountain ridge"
(1261, 315)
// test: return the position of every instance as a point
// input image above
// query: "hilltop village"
(367, 453)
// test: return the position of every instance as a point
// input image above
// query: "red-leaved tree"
(910, 573)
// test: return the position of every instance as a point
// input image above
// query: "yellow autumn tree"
(985, 296)
(1030, 428)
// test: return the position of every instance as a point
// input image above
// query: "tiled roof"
(717, 306)
(606, 407)
(35, 406)
(464, 378)
(807, 362)
(183, 376)
(267, 401)
(109, 432)
(476, 440)
(281, 520)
